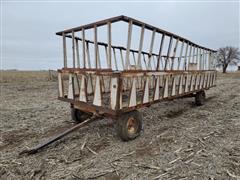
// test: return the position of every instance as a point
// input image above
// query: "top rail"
(134, 22)
(147, 55)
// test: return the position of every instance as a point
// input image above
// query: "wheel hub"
(132, 125)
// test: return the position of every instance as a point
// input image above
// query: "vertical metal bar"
(160, 52)
(96, 47)
(152, 42)
(83, 48)
(106, 52)
(88, 55)
(189, 58)
(134, 59)
(161, 59)
(64, 51)
(121, 54)
(154, 63)
(168, 53)
(208, 58)
(169, 64)
(185, 58)
(128, 45)
(199, 52)
(193, 56)
(203, 60)
(151, 49)
(214, 60)
(78, 57)
(115, 59)
(144, 60)
(139, 66)
(197, 58)
(73, 48)
(174, 53)
(99, 60)
(200, 59)
(109, 46)
(180, 56)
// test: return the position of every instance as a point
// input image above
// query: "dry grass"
(22, 76)
(235, 74)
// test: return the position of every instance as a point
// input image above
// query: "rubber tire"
(200, 98)
(78, 115)
(122, 125)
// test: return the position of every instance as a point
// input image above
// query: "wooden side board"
(122, 92)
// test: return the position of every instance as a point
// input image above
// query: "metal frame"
(111, 91)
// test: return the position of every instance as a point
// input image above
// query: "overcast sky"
(28, 39)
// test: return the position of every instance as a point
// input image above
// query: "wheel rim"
(132, 126)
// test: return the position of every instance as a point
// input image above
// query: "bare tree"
(227, 56)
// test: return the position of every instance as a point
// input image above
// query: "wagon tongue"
(59, 136)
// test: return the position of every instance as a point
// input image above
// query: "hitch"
(35, 149)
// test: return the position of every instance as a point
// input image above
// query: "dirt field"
(180, 140)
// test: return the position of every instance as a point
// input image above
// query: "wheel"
(129, 125)
(78, 115)
(200, 98)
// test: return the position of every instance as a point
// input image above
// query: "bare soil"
(179, 141)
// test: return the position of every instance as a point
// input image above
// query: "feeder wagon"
(115, 66)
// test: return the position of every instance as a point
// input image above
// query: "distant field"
(10, 76)
(230, 74)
